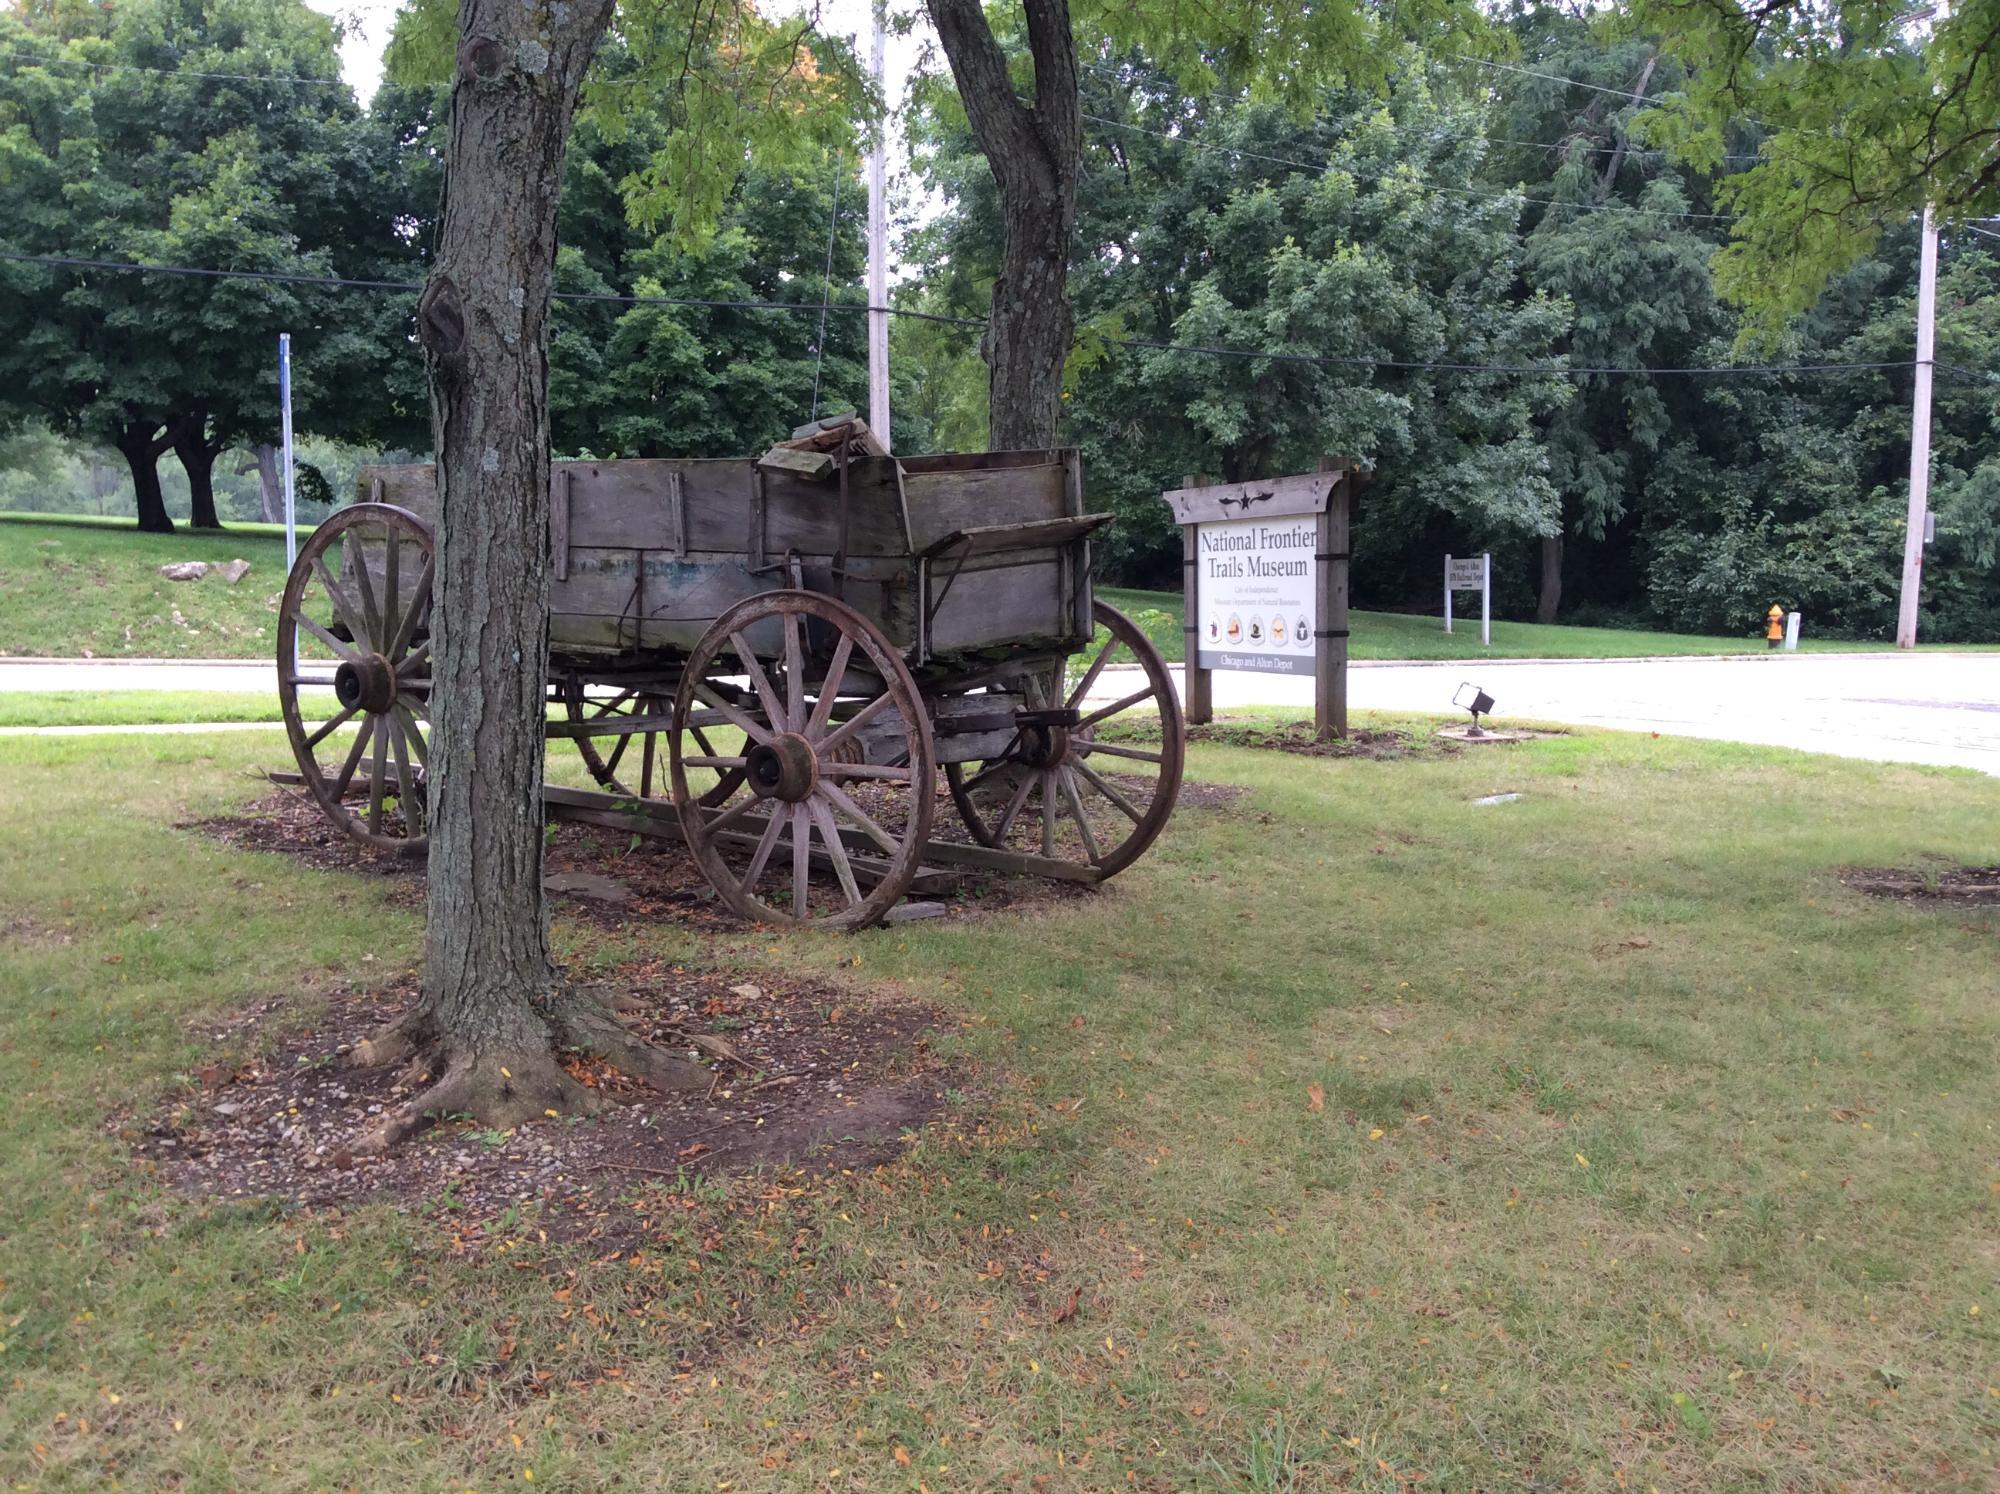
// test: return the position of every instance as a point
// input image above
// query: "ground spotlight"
(1470, 697)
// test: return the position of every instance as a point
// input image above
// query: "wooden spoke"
(328, 729)
(378, 775)
(1083, 685)
(325, 635)
(1049, 813)
(831, 743)
(1124, 704)
(725, 818)
(829, 833)
(737, 718)
(605, 708)
(415, 658)
(761, 683)
(991, 771)
(420, 596)
(1119, 749)
(354, 757)
(1103, 787)
(1013, 807)
(829, 690)
(648, 753)
(706, 760)
(412, 735)
(842, 801)
(795, 674)
(341, 605)
(801, 862)
(406, 790)
(617, 752)
(1075, 803)
(765, 844)
(392, 566)
(370, 612)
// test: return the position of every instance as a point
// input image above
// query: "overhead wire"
(1272, 355)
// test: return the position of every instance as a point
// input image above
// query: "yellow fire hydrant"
(1774, 633)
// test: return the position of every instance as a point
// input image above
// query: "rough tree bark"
(1036, 152)
(270, 491)
(140, 441)
(197, 453)
(486, 1031)
(1550, 596)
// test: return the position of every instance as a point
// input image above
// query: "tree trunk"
(1036, 153)
(491, 1015)
(140, 443)
(1552, 579)
(270, 491)
(197, 457)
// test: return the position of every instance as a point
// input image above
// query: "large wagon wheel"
(355, 616)
(801, 716)
(1097, 793)
(633, 764)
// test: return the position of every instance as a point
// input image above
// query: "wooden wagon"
(814, 634)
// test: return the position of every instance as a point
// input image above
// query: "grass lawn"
(1600, 1139)
(1397, 635)
(69, 587)
(132, 707)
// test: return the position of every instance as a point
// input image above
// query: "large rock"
(233, 571)
(185, 570)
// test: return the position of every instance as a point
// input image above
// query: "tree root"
(502, 1089)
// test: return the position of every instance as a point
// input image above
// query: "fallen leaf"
(901, 1455)
(1315, 1097)
(1068, 1309)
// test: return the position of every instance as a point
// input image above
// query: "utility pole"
(1920, 438)
(878, 247)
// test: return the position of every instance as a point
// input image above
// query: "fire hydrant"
(1774, 633)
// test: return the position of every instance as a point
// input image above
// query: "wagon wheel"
(1097, 793)
(638, 755)
(355, 615)
(800, 718)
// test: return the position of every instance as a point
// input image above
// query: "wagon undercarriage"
(820, 763)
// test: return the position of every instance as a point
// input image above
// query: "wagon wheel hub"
(366, 682)
(784, 768)
(1045, 747)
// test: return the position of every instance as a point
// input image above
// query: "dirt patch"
(613, 879)
(822, 1078)
(1949, 886)
(1300, 737)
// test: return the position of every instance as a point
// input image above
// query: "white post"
(291, 490)
(1486, 600)
(1920, 438)
(1447, 593)
(878, 251)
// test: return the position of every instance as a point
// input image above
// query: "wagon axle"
(366, 683)
(784, 768)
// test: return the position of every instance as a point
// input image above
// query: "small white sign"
(1475, 574)
(1466, 575)
(1254, 594)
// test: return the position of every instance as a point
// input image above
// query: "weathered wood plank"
(1267, 498)
(949, 499)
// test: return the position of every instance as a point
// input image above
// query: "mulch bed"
(828, 1078)
(599, 873)
(1300, 737)
(1957, 887)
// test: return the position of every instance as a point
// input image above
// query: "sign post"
(1475, 574)
(1266, 584)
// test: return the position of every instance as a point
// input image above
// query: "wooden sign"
(1265, 573)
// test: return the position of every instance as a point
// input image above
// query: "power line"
(1528, 72)
(1496, 195)
(1328, 360)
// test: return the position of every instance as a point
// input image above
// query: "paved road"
(1923, 708)
(1917, 708)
